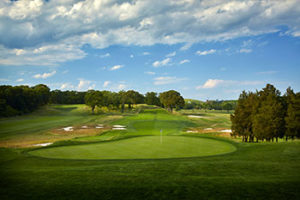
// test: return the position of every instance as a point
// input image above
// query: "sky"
(209, 49)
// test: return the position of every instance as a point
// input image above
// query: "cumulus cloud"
(116, 67)
(44, 75)
(184, 61)
(27, 25)
(163, 80)
(85, 85)
(121, 86)
(161, 63)
(65, 86)
(204, 53)
(19, 80)
(146, 53)
(213, 83)
(106, 83)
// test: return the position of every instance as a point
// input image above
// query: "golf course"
(65, 151)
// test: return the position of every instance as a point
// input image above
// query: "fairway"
(146, 147)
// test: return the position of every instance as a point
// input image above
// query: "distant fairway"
(147, 147)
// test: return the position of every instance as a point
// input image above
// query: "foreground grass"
(254, 171)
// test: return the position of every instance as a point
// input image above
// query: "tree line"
(210, 104)
(266, 115)
(117, 100)
(18, 100)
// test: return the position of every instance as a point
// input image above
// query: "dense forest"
(266, 115)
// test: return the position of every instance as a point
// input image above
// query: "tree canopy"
(171, 99)
(266, 115)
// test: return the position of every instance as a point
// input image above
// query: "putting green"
(146, 147)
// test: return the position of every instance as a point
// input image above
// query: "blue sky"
(203, 49)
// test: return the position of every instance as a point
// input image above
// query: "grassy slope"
(254, 171)
(37, 127)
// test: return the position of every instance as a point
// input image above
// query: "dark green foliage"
(93, 98)
(133, 97)
(242, 124)
(227, 106)
(266, 115)
(151, 98)
(67, 97)
(22, 99)
(292, 118)
(171, 99)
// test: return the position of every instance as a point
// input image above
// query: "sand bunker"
(119, 128)
(192, 131)
(43, 144)
(195, 116)
(69, 128)
(84, 127)
(208, 129)
(226, 131)
(99, 127)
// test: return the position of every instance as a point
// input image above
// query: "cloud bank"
(51, 32)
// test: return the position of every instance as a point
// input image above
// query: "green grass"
(147, 147)
(253, 171)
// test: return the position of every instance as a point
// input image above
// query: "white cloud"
(44, 75)
(19, 80)
(163, 80)
(116, 67)
(146, 53)
(121, 86)
(3, 80)
(245, 50)
(161, 63)
(66, 26)
(186, 47)
(150, 73)
(44, 55)
(213, 83)
(131, 56)
(204, 53)
(66, 86)
(184, 61)
(85, 85)
(171, 54)
(106, 83)
(105, 55)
